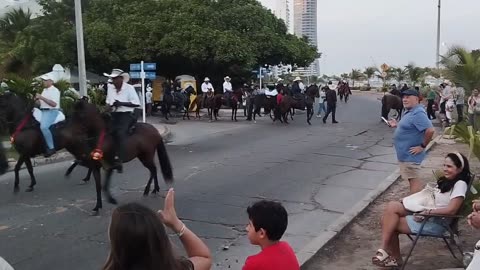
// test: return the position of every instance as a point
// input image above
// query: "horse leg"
(70, 169)
(87, 178)
(150, 165)
(236, 109)
(233, 111)
(106, 187)
(98, 189)
(19, 164)
(309, 112)
(33, 181)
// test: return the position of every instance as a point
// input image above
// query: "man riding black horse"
(123, 100)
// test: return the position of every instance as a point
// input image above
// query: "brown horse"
(215, 102)
(300, 102)
(26, 135)
(142, 143)
(389, 102)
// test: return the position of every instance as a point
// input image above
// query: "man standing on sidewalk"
(331, 98)
(414, 132)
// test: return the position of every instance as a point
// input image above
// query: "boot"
(49, 153)
(118, 165)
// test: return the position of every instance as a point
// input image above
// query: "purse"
(421, 201)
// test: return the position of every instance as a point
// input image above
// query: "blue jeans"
(48, 117)
(322, 107)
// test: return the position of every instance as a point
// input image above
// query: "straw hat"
(297, 79)
(227, 78)
(206, 79)
(118, 73)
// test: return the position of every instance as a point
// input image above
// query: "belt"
(48, 109)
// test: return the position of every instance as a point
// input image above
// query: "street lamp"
(82, 73)
(438, 33)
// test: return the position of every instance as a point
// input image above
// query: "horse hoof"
(86, 180)
(146, 192)
(16, 189)
(29, 189)
(95, 212)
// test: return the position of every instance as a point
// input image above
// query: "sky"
(361, 33)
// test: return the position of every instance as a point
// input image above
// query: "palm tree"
(369, 73)
(400, 74)
(14, 22)
(462, 67)
(356, 75)
(414, 73)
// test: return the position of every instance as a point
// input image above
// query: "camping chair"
(450, 237)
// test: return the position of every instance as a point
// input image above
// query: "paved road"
(317, 171)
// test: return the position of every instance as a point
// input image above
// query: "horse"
(215, 101)
(26, 136)
(300, 102)
(389, 102)
(267, 102)
(186, 101)
(142, 143)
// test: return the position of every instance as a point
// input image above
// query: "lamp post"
(82, 73)
(438, 33)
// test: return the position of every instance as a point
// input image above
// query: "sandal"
(382, 259)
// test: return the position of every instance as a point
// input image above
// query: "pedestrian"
(138, 240)
(459, 94)
(321, 101)
(412, 135)
(473, 220)
(148, 100)
(267, 223)
(122, 99)
(445, 95)
(431, 97)
(331, 98)
(49, 106)
(474, 108)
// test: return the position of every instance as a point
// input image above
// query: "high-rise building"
(281, 9)
(305, 24)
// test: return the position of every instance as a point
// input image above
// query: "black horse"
(389, 102)
(300, 102)
(189, 91)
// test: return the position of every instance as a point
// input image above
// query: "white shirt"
(53, 94)
(206, 86)
(272, 93)
(126, 94)
(443, 199)
(301, 86)
(148, 97)
(227, 87)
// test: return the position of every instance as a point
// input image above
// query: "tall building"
(305, 24)
(281, 9)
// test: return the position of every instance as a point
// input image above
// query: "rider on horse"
(207, 88)
(49, 106)
(227, 90)
(123, 99)
(298, 87)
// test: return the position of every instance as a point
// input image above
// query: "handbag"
(421, 201)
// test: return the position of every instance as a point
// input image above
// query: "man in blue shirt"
(414, 132)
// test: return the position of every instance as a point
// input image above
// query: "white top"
(227, 87)
(206, 86)
(301, 86)
(269, 92)
(126, 94)
(148, 97)
(443, 199)
(4, 265)
(447, 93)
(53, 94)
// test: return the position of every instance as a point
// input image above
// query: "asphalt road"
(317, 171)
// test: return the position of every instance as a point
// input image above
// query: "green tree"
(356, 75)
(415, 73)
(462, 67)
(369, 73)
(400, 74)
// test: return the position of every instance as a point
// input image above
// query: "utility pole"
(438, 33)
(82, 73)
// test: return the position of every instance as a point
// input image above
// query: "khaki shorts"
(409, 170)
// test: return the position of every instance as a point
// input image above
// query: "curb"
(65, 156)
(314, 246)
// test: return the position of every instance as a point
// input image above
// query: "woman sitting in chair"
(448, 196)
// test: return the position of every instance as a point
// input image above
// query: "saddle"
(298, 96)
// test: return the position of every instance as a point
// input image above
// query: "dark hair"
(139, 241)
(444, 184)
(270, 216)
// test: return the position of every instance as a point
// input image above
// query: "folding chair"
(450, 237)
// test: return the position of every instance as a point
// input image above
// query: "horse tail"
(165, 164)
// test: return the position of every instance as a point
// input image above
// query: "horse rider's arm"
(51, 102)
(133, 99)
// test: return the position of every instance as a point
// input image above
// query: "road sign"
(151, 75)
(385, 67)
(255, 71)
(146, 66)
(135, 75)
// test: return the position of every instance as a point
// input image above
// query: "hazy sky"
(358, 33)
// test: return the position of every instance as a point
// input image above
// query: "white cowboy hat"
(332, 87)
(206, 79)
(297, 79)
(280, 80)
(227, 78)
(447, 82)
(47, 77)
(118, 73)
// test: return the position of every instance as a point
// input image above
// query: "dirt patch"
(356, 244)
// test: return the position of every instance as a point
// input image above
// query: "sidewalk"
(354, 247)
(63, 155)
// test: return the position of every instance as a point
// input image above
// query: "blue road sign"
(135, 75)
(150, 75)
(150, 66)
(135, 67)
(255, 71)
